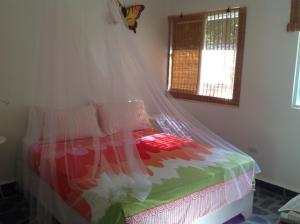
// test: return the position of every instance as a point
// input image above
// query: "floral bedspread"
(177, 168)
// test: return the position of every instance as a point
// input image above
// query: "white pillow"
(115, 116)
(292, 205)
(64, 124)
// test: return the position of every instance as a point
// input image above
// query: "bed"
(186, 187)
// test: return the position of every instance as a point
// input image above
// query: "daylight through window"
(296, 91)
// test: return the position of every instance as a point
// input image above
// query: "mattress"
(189, 180)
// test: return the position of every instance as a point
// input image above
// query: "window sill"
(295, 106)
(189, 96)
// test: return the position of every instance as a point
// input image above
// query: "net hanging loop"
(228, 9)
(181, 14)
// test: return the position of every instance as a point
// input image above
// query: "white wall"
(16, 46)
(15, 60)
(264, 120)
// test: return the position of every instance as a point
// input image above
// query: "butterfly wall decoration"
(131, 14)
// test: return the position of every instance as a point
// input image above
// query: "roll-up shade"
(294, 24)
(186, 45)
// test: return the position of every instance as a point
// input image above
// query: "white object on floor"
(292, 205)
(2, 139)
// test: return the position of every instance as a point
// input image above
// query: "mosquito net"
(104, 142)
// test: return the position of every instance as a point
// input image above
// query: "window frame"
(235, 101)
(296, 86)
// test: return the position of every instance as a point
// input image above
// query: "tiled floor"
(14, 209)
(266, 205)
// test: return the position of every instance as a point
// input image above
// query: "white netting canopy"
(104, 142)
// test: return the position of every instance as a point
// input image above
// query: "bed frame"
(242, 206)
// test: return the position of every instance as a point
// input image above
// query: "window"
(296, 91)
(294, 26)
(206, 55)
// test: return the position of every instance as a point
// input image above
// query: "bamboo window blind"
(206, 52)
(294, 24)
(187, 39)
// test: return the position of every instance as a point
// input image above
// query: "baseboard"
(8, 181)
(291, 188)
(276, 189)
